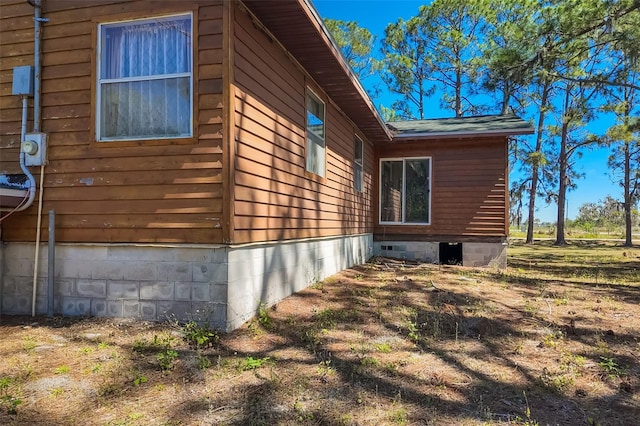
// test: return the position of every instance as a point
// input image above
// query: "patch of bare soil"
(548, 341)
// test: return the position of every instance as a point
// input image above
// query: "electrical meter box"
(34, 148)
(22, 81)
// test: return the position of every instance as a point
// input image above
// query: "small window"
(405, 195)
(145, 79)
(315, 135)
(357, 165)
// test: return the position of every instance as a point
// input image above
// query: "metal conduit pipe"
(25, 170)
(32, 184)
(36, 262)
(52, 264)
(37, 20)
(37, 65)
(31, 189)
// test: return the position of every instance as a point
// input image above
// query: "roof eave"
(463, 134)
(337, 78)
(344, 64)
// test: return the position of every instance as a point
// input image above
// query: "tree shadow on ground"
(384, 343)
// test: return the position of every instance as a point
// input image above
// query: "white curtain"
(145, 74)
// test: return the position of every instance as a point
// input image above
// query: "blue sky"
(375, 15)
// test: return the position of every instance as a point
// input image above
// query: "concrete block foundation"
(409, 250)
(493, 254)
(485, 254)
(221, 285)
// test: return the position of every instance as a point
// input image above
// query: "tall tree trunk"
(458, 93)
(506, 95)
(421, 103)
(532, 203)
(628, 233)
(420, 88)
(562, 197)
(563, 164)
(628, 239)
(535, 169)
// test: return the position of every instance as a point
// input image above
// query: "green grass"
(584, 261)
(549, 231)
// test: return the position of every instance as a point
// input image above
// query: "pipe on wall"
(31, 189)
(36, 260)
(25, 170)
(52, 263)
(37, 65)
(37, 20)
(32, 185)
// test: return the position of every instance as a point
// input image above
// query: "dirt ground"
(554, 339)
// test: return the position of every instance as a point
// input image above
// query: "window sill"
(145, 142)
(403, 224)
(315, 177)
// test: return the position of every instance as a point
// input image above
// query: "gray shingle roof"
(462, 126)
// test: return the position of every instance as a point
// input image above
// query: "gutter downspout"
(37, 19)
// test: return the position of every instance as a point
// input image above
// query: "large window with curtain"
(405, 191)
(145, 79)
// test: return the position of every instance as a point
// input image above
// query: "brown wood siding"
(468, 189)
(16, 49)
(144, 191)
(275, 198)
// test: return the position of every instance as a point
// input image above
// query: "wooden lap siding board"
(16, 49)
(146, 191)
(275, 198)
(469, 188)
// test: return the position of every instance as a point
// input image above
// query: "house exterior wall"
(133, 191)
(275, 197)
(469, 202)
(16, 49)
(204, 229)
(469, 190)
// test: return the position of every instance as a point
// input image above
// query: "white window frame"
(358, 164)
(100, 81)
(323, 166)
(404, 190)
